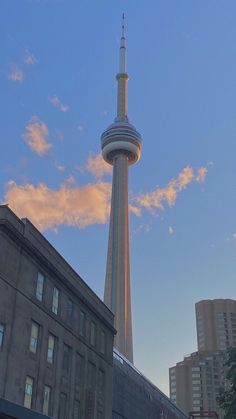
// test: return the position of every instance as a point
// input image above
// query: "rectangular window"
(76, 409)
(28, 392)
(79, 369)
(93, 334)
(51, 346)
(62, 406)
(91, 376)
(39, 287)
(55, 300)
(46, 400)
(82, 323)
(34, 337)
(101, 385)
(66, 358)
(69, 312)
(103, 342)
(2, 330)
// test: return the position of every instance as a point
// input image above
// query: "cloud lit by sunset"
(36, 135)
(71, 206)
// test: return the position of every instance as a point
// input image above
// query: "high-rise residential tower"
(121, 147)
(195, 381)
(216, 324)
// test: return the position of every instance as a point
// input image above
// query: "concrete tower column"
(117, 286)
(121, 147)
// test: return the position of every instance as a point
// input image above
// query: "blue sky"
(58, 94)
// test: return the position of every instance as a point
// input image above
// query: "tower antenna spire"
(122, 77)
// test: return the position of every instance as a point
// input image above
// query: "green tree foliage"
(227, 396)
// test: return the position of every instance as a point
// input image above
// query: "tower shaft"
(117, 286)
(121, 147)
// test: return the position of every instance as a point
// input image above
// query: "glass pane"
(46, 399)
(34, 337)
(93, 334)
(69, 311)
(28, 392)
(2, 327)
(62, 406)
(39, 289)
(82, 323)
(55, 301)
(51, 344)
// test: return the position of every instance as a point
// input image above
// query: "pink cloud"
(36, 136)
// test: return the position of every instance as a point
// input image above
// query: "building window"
(62, 406)
(46, 400)
(39, 287)
(28, 392)
(51, 346)
(93, 334)
(69, 311)
(2, 330)
(82, 323)
(34, 337)
(103, 342)
(55, 300)
(76, 409)
(66, 358)
(91, 376)
(101, 385)
(79, 369)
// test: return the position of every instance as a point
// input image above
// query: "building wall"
(135, 397)
(80, 376)
(216, 324)
(197, 380)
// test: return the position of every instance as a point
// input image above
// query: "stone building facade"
(56, 335)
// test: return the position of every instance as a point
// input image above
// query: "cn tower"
(121, 147)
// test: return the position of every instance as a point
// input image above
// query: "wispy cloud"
(75, 206)
(201, 174)
(171, 230)
(35, 136)
(97, 166)
(55, 101)
(80, 128)
(29, 58)
(168, 195)
(59, 167)
(16, 74)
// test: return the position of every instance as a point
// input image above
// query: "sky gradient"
(58, 64)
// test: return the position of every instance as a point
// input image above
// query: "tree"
(227, 396)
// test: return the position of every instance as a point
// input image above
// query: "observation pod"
(121, 137)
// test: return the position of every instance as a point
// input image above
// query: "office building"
(56, 335)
